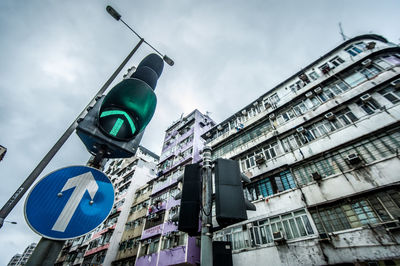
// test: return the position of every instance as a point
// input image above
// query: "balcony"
(147, 260)
(96, 249)
(155, 230)
(98, 234)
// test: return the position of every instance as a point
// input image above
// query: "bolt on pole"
(206, 257)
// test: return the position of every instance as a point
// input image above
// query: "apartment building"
(100, 246)
(322, 152)
(22, 259)
(129, 244)
(160, 242)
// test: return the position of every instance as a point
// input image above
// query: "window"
(291, 142)
(174, 239)
(313, 75)
(270, 185)
(241, 139)
(286, 116)
(149, 248)
(293, 87)
(292, 225)
(156, 220)
(274, 99)
(393, 60)
(352, 213)
(370, 149)
(312, 102)
(300, 109)
(346, 117)
(248, 162)
(369, 106)
(240, 239)
(391, 93)
(336, 61)
(355, 49)
(370, 71)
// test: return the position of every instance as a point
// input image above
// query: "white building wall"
(144, 172)
(370, 242)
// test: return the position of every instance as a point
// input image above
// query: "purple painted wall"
(193, 256)
(147, 260)
(169, 227)
(156, 230)
(172, 256)
(176, 255)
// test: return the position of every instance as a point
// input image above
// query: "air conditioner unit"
(370, 45)
(330, 116)
(244, 112)
(316, 176)
(255, 103)
(300, 129)
(267, 105)
(309, 94)
(395, 83)
(260, 159)
(365, 97)
(393, 226)
(219, 127)
(366, 62)
(353, 158)
(318, 90)
(304, 77)
(152, 216)
(325, 68)
(278, 237)
(272, 116)
(323, 237)
(208, 134)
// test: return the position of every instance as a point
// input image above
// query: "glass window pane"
(301, 226)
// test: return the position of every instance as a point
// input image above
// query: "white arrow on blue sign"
(69, 202)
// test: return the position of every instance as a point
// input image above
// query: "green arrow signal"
(118, 124)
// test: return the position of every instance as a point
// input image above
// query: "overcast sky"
(55, 55)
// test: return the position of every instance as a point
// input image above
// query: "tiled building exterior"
(322, 151)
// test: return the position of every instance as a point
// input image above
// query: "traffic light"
(116, 122)
(190, 200)
(230, 203)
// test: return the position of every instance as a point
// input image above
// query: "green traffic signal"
(116, 128)
(127, 109)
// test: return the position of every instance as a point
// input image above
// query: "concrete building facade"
(129, 244)
(322, 152)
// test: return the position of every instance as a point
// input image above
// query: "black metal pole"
(6, 209)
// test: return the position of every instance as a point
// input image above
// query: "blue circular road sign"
(69, 202)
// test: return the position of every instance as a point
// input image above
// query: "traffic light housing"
(190, 200)
(116, 122)
(230, 203)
